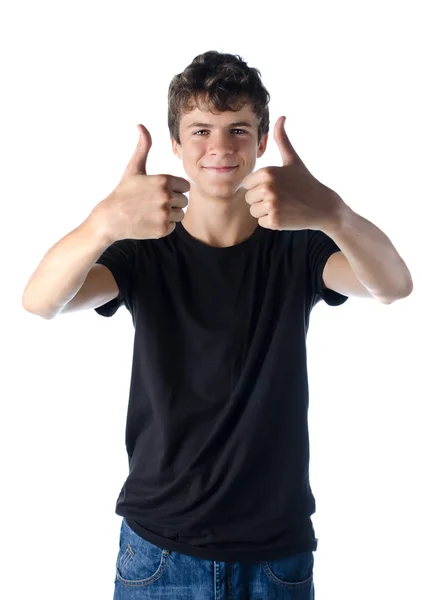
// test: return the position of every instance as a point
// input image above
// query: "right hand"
(142, 206)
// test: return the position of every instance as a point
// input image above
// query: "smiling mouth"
(220, 169)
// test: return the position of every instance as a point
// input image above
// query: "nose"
(221, 144)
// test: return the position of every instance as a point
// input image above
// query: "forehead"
(211, 115)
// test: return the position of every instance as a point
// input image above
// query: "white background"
(77, 77)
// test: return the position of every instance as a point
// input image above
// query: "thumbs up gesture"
(142, 206)
(289, 197)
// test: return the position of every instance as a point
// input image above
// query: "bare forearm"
(372, 256)
(63, 270)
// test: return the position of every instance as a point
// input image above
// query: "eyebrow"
(209, 126)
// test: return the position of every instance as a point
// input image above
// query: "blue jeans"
(144, 570)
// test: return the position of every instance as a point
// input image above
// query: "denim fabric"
(144, 570)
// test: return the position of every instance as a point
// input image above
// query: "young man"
(218, 498)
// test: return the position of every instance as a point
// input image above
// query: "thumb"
(138, 162)
(289, 155)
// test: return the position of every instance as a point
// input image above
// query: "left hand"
(289, 197)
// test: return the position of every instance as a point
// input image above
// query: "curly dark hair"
(223, 81)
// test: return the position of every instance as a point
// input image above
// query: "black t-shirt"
(217, 424)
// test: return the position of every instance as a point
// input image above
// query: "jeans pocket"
(139, 562)
(291, 572)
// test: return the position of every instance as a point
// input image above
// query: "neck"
(219, 221)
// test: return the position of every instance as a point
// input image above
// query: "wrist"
(98, 224)
(336, 222)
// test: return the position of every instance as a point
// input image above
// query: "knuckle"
(164, 213)
(165, 193)
(162, 229)
(162, 181)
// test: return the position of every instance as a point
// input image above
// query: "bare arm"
(64, 268)
(141, 207)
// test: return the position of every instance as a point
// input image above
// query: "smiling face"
(210, 140)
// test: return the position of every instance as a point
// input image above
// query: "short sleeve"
(120, 258)
(319, 248)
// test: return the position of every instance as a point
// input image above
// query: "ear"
(175, 147)
(262, 146)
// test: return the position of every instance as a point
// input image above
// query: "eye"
(202, 130)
